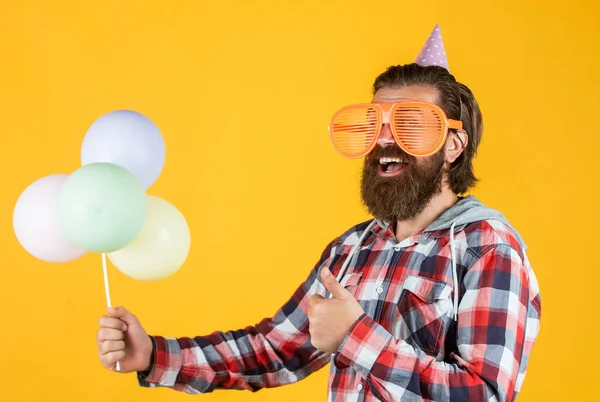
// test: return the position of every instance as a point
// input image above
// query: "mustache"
(390, 151)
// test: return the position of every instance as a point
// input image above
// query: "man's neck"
(436, 207)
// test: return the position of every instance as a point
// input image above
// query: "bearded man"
(432, 299)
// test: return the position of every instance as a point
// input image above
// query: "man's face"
(396, 185)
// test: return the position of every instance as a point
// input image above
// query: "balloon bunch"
(102, 207)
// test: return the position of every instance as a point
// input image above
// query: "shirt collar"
(384, 231)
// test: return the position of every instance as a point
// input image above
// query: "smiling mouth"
(391, 166)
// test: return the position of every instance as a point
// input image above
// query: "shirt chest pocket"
(424, 311)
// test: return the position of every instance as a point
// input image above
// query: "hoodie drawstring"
(353, 250)
(454, 273)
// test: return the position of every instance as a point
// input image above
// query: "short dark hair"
(457, 101)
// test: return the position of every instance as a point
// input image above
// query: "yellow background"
(243, 91)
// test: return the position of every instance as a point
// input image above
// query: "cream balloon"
(160, 249)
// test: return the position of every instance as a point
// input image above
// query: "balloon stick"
(107, 291)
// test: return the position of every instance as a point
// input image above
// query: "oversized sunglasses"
(419, 128)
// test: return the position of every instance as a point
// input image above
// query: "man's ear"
(456, 144)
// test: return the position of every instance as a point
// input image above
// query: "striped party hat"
(433, 52)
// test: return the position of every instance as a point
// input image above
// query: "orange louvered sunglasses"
(419, 128)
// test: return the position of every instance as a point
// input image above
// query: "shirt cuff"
(166, 363)
(362, 346)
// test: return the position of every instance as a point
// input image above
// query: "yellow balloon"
(160, 249)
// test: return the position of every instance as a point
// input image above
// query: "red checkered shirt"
(408, 346)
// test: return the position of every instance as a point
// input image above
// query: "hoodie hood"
(468, 210)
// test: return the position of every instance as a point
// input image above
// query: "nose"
(386, 137)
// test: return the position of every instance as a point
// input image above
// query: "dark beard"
(405, 196)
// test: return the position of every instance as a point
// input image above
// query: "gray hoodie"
(468, 210)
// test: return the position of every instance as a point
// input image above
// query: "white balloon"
(128, 139)
(36, 223)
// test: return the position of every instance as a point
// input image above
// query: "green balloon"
(102, 207)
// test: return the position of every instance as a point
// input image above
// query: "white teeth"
(390, 160)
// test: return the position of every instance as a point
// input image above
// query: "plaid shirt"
(407, 346)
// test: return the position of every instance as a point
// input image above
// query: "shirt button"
(380, 290)
(359, 387)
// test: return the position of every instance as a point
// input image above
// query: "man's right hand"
(121, 338)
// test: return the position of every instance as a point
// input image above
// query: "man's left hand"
(330, 320)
